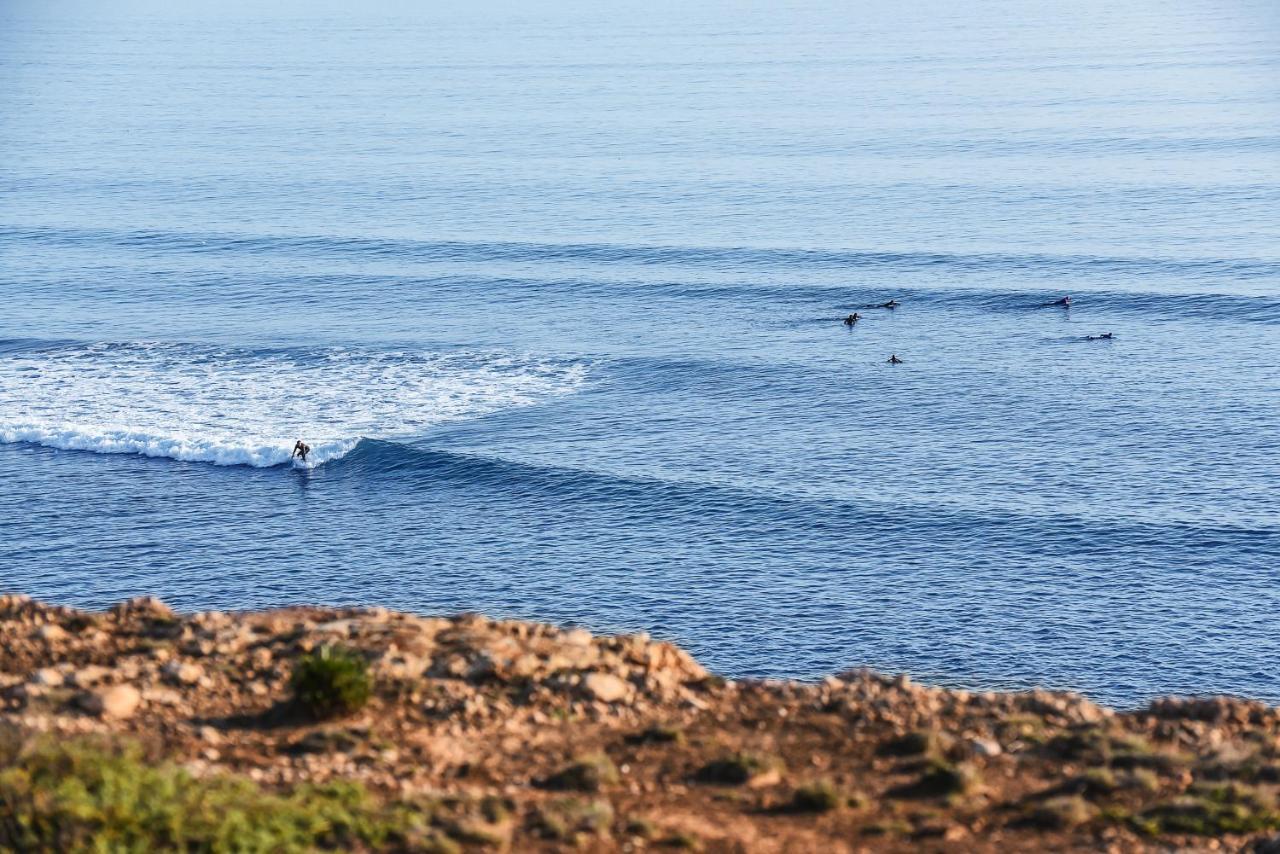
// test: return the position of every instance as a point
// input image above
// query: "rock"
(46, 676)
(89, 675)
(14, 602)
(163, 696)
(182, 672)
(117, 702)
(392, 665)
(1267, 846)
(52, 633)
(987, 747)
(142, 606)
(345, 628)
(577, 637)
(604, 687)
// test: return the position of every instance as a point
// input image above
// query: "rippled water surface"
(554, 290)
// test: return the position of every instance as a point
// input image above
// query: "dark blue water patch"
(769, 512)
(161, 242)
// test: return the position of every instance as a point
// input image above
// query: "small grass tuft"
(918, 743)
(589, 773)
(682, 841)
(889, 827)
(564, 818)
(1061, 813)
(657, 735)
(737, 769)
(331, 682)
(939, 780)
(642, 828)
(818, 796)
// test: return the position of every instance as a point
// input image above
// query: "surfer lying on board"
(894, 360)
(1106, 336)
(300, 450)
(1065, 301)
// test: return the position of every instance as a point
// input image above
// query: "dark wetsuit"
(300, 451)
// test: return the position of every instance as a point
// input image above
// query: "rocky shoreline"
(465, 733)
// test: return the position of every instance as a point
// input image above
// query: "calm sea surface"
(554, 291)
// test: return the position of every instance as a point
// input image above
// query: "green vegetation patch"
(1209, 810)
(92, 796)
(331, 682)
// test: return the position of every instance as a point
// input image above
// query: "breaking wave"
(232, 406)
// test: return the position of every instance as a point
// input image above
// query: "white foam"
(239, 407)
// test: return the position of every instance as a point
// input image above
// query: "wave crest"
(247, 407)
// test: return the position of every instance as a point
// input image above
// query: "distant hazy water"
(553, 289)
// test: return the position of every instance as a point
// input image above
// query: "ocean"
(554, 291)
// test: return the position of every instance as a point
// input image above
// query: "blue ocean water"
(554, 291)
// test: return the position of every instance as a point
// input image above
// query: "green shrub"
(331, 682)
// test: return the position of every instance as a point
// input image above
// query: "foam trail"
(245, 407)
(220, 451)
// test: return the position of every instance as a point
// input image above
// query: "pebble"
(89, 675)
(985, 747)
(117, 702)
(46, 676)
(182, 672)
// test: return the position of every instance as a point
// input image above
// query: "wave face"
(245, 407)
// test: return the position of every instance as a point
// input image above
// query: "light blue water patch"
(555, 293)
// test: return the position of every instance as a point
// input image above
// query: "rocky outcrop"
(626, 742)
